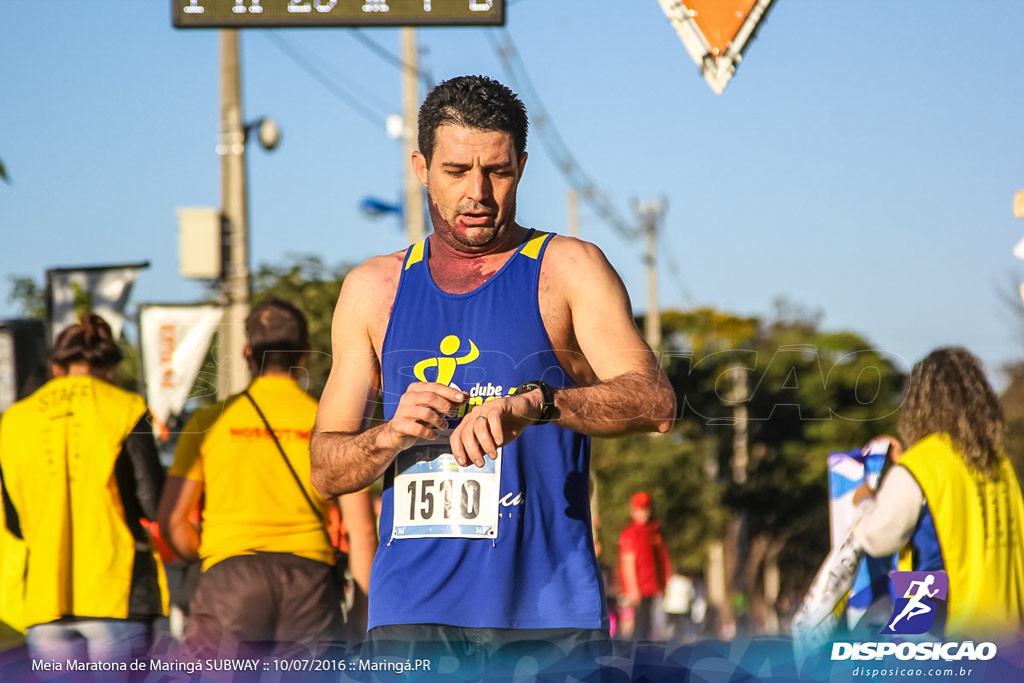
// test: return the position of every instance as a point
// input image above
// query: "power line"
(325, 79)
(668, 253)
(392, 58)
(566, 162)
(556, 147)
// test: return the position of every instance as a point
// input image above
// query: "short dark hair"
(90, 340)
(473, 102)
(278, 335)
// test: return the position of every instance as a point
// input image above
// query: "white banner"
(815, 622)
(107, 288)
(174, 341)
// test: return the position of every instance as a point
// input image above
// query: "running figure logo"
(917, 595)
(445, 363)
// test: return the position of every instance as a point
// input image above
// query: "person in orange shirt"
(644, 565)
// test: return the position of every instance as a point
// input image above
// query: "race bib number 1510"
(436, 497)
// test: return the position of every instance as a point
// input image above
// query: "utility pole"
(235, 292)
(574, 213)
(738, 396)
(717, 588)
(735, 546)
(725, 555)
(649, 214)
(414, 225)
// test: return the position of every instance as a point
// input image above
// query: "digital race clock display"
(313, 13)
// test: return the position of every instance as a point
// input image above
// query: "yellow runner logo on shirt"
(446, 362)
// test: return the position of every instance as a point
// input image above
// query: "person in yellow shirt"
(266, 580)
(953, 502)
(81, 470)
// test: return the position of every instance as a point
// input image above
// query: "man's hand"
(492, 425)
(422, 412)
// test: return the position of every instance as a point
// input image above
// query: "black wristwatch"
(547, 411)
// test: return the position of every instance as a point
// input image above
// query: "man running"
(519, 342)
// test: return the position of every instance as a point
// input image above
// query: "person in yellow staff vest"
(953, 502)
(266, 585)
(81, 470)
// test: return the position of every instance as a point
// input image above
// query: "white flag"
(107, 287)
(174, 340)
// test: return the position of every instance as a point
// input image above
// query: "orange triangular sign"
(716, 33)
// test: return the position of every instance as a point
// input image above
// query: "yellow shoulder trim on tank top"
(415, 254)
(532, 248)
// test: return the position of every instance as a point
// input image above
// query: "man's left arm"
(630, 392)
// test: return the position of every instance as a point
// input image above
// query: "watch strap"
(547, 396)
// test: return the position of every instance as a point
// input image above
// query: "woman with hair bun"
(81, 470)
(953, 502)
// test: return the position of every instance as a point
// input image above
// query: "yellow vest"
(58, 448)
(980, 525)
(251, 502)
(12, 587)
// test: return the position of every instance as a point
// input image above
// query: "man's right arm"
(183, 490)
(177, 505)
(346, 453)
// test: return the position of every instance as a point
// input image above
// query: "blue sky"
(862, 162)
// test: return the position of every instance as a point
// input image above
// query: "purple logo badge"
(916, 595)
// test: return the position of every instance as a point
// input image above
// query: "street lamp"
(267, 132)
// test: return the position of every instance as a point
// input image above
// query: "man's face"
(641, 515)
(471, 185)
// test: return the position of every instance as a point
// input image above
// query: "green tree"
(806, 392)
(1012, 397)
(673, 469)
(813, 393)
(312, 286)
(303, 279)
(29, 296)
(1012, 400)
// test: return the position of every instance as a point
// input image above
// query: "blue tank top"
(504, 546)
